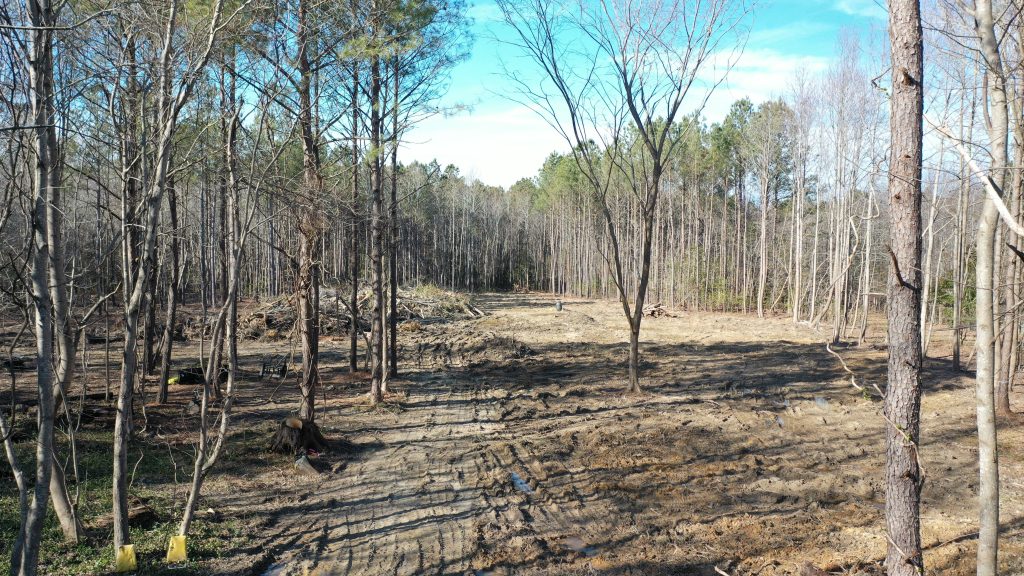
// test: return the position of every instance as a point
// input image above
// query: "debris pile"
(193, 328)
(271, 320)
(435, 304)
(275, 319)
(658, 311)
(446, 348)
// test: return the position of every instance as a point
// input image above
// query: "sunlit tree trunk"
(988, 460)
(376, 228)
(903, 474)
(310, 227)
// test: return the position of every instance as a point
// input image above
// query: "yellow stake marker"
(124, 561)
(176, 550)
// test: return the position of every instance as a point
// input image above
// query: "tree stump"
(297, 436)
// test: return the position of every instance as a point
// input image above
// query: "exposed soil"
(508, 447)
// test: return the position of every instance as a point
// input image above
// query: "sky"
(498, 141)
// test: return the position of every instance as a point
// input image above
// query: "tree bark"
(172, 296)
(393, 231)
(308, 289)
(354, 227)
(988, 458)
(65, 345)
(309, 324)
(903, 475)
(25, 552)
(762, 267)
(376, 231)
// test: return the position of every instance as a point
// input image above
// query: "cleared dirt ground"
(509, 448)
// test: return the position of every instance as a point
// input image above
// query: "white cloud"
(865, 8)
(498, 147)
(760, 75)
(788, 34)
(485, 13)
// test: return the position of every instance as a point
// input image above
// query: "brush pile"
(275, 319)
(658, 311)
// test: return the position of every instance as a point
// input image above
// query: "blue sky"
(499, 141)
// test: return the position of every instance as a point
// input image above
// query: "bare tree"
(988, 459)
(42, 18)
(802, 106)
(241, 214)
(310, 219)
(305, 48)
(37, 42)
(174, 88)
(173, 289)
(766, 146)
(616, 77)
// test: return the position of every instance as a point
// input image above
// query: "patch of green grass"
(159, 477)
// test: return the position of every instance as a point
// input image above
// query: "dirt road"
(511, 450)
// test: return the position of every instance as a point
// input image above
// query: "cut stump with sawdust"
(295, 435)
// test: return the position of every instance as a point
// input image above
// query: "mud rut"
(423, 500)
(750, 452)
(453, 486)
(409, 507)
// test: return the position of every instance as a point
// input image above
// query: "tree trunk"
(988, 458)
(170, 101)
(354, 228)
(122, 428)
(309, 324)
(961, 239)
(798, 237)
(172, 296)
(206, 456)
(25, 557)
(762, 270)
(866, 264)
(63, 507)
(393, 233)
(376, 234)
(1010, 283)
(634, 359)
(903, 475)
(21, 481)
(65, 345)
(308, 289)
(929, 248)
(149, 325)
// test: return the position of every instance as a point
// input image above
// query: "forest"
(245, 330)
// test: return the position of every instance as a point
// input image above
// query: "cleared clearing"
(510, 449)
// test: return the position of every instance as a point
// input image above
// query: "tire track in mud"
(692, 476)
(546, 513)
(398, 538)
(410, 507)
(439, 495)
